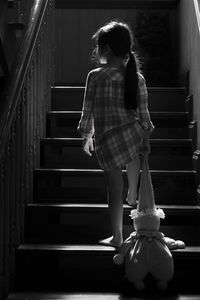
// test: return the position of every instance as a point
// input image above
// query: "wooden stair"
(69, 213)
(89, 268)
(171, 125)
(60, 257)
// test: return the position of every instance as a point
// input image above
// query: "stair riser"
(66, 99)
(62, 226)
(58, 271)
(168, 189)
(160, 133)
(67, 127)
(163, 157)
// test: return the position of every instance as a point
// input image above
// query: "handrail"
(10, 94)
(197, 11)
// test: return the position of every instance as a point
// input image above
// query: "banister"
(196, 6)
(24, 104)
(10, 94)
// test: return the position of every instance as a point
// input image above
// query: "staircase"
(69, 213)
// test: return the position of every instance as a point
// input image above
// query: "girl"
(115, 112)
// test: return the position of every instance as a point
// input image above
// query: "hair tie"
(130, 55)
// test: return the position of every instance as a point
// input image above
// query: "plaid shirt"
(103, 105)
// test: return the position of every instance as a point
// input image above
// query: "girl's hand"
(88, 146)
(149, 130)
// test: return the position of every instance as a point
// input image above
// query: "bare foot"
(131, 199)
(111, 241)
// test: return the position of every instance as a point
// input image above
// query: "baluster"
(40, 89)
(13, 198)
(2, 222)
(19, 168)
(196, 167)
(21, 151)
(24, 155)
(43, 58)
(7, 224)
(30, 130)
(33, 99)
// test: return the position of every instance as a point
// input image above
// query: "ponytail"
(131, 83)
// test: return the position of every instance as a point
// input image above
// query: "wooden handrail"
(10, 94)
(196, 6)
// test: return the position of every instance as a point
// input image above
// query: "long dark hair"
(119, 37)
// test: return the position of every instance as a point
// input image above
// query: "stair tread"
(91, 248)
(156, 113)
(152, 88)
(87, 296)
(63, 140)
(99, 171)
(172, 208)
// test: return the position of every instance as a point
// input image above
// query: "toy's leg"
(162, 285)
(136, 270)
(139, 285)
(115, 203)
(133, 172)
(163, 272)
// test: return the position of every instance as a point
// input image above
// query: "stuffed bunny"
(146, 250)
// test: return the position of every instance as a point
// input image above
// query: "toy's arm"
(126, 245)
(172, 244)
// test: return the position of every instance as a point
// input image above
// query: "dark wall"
(3, 13)
(75, 27)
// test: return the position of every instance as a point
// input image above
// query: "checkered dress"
(119, 133)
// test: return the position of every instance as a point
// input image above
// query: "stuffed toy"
(146, 250)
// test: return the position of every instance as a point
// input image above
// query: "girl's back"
(107, 84)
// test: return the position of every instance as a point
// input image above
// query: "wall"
(3, 11)
(74, 29)
(189, 49)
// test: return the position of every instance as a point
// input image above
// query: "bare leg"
(115, 204)
(133, 172)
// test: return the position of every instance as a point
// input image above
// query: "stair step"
(88, 185)
(116, 4)
(82, 267)
(68, 153)
(168, 124)
(88, 223)
(10, 3)
(88, 296)
(160, 99)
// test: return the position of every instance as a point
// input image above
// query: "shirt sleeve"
(143, 104)
(86, 123)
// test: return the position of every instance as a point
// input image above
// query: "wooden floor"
(107, 296)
